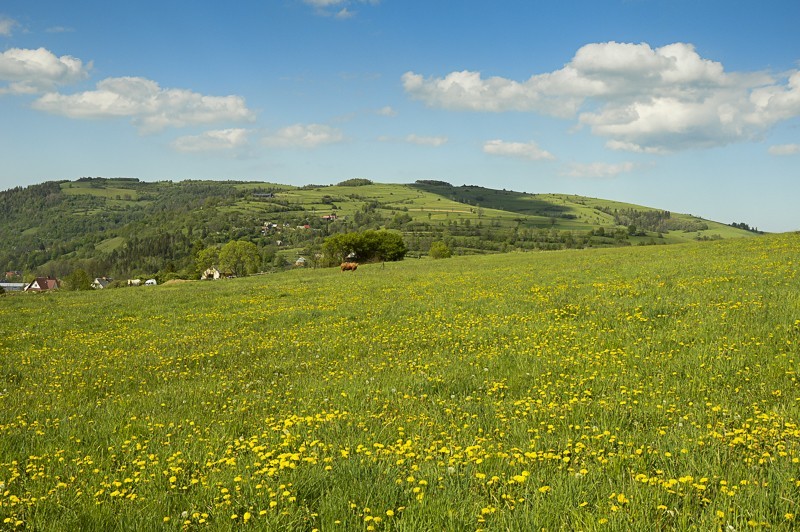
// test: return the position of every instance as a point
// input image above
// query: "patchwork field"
(647, 388)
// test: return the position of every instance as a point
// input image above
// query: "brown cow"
(349, 266)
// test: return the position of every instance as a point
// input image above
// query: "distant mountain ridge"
(126, 227)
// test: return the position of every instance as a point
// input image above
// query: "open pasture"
(649, 388)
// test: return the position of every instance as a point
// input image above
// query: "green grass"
(616, 389)
(107, 192)
(110, 244)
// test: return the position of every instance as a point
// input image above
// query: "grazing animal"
(349, 266)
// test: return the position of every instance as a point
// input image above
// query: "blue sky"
(689, 106)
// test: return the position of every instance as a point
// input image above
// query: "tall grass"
(624, 389)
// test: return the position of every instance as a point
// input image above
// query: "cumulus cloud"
(520, 150)
(784, 149)
(304, 136)
(150, 107)
(603, 170)
(212, 141)
(32, 71)
(642, 99)
(426, 141)
(7, 25)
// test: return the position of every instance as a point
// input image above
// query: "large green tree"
(365, 246)
(239, 257)
(78, 280)
(206, 258)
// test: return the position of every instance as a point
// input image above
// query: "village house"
(101, 282)
(211, 273)
(42, 284)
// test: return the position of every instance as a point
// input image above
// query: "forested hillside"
(124, 227)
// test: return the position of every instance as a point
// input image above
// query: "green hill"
(124, 227)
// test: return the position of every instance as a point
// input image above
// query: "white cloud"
(520, 150)
(304, 136)
(344, 13)
(386, 111)
(619, 145)
(149, 107)
(215, 140)
(7, 25)
(328, 8)
(31, 71)
(603, 170)
(784, 149)
(426, 141)
(642, 99)
(324, 3)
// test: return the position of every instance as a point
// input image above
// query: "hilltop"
(124, 227)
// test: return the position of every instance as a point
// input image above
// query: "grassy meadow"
(646, 388)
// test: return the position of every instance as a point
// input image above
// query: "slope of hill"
(125, 227)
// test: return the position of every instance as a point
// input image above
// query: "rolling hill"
(125, 227)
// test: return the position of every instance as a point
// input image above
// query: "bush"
(355, 182)
(433, 182)
(439, 250)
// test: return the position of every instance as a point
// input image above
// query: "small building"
(101, 282)
(329, 217)
(42, 284)
(13, 287)
(134, 282)
(300, 262)
(211, 273)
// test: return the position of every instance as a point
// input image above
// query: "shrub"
(355, 182)
(439, 250)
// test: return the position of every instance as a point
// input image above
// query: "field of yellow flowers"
(649, 388)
